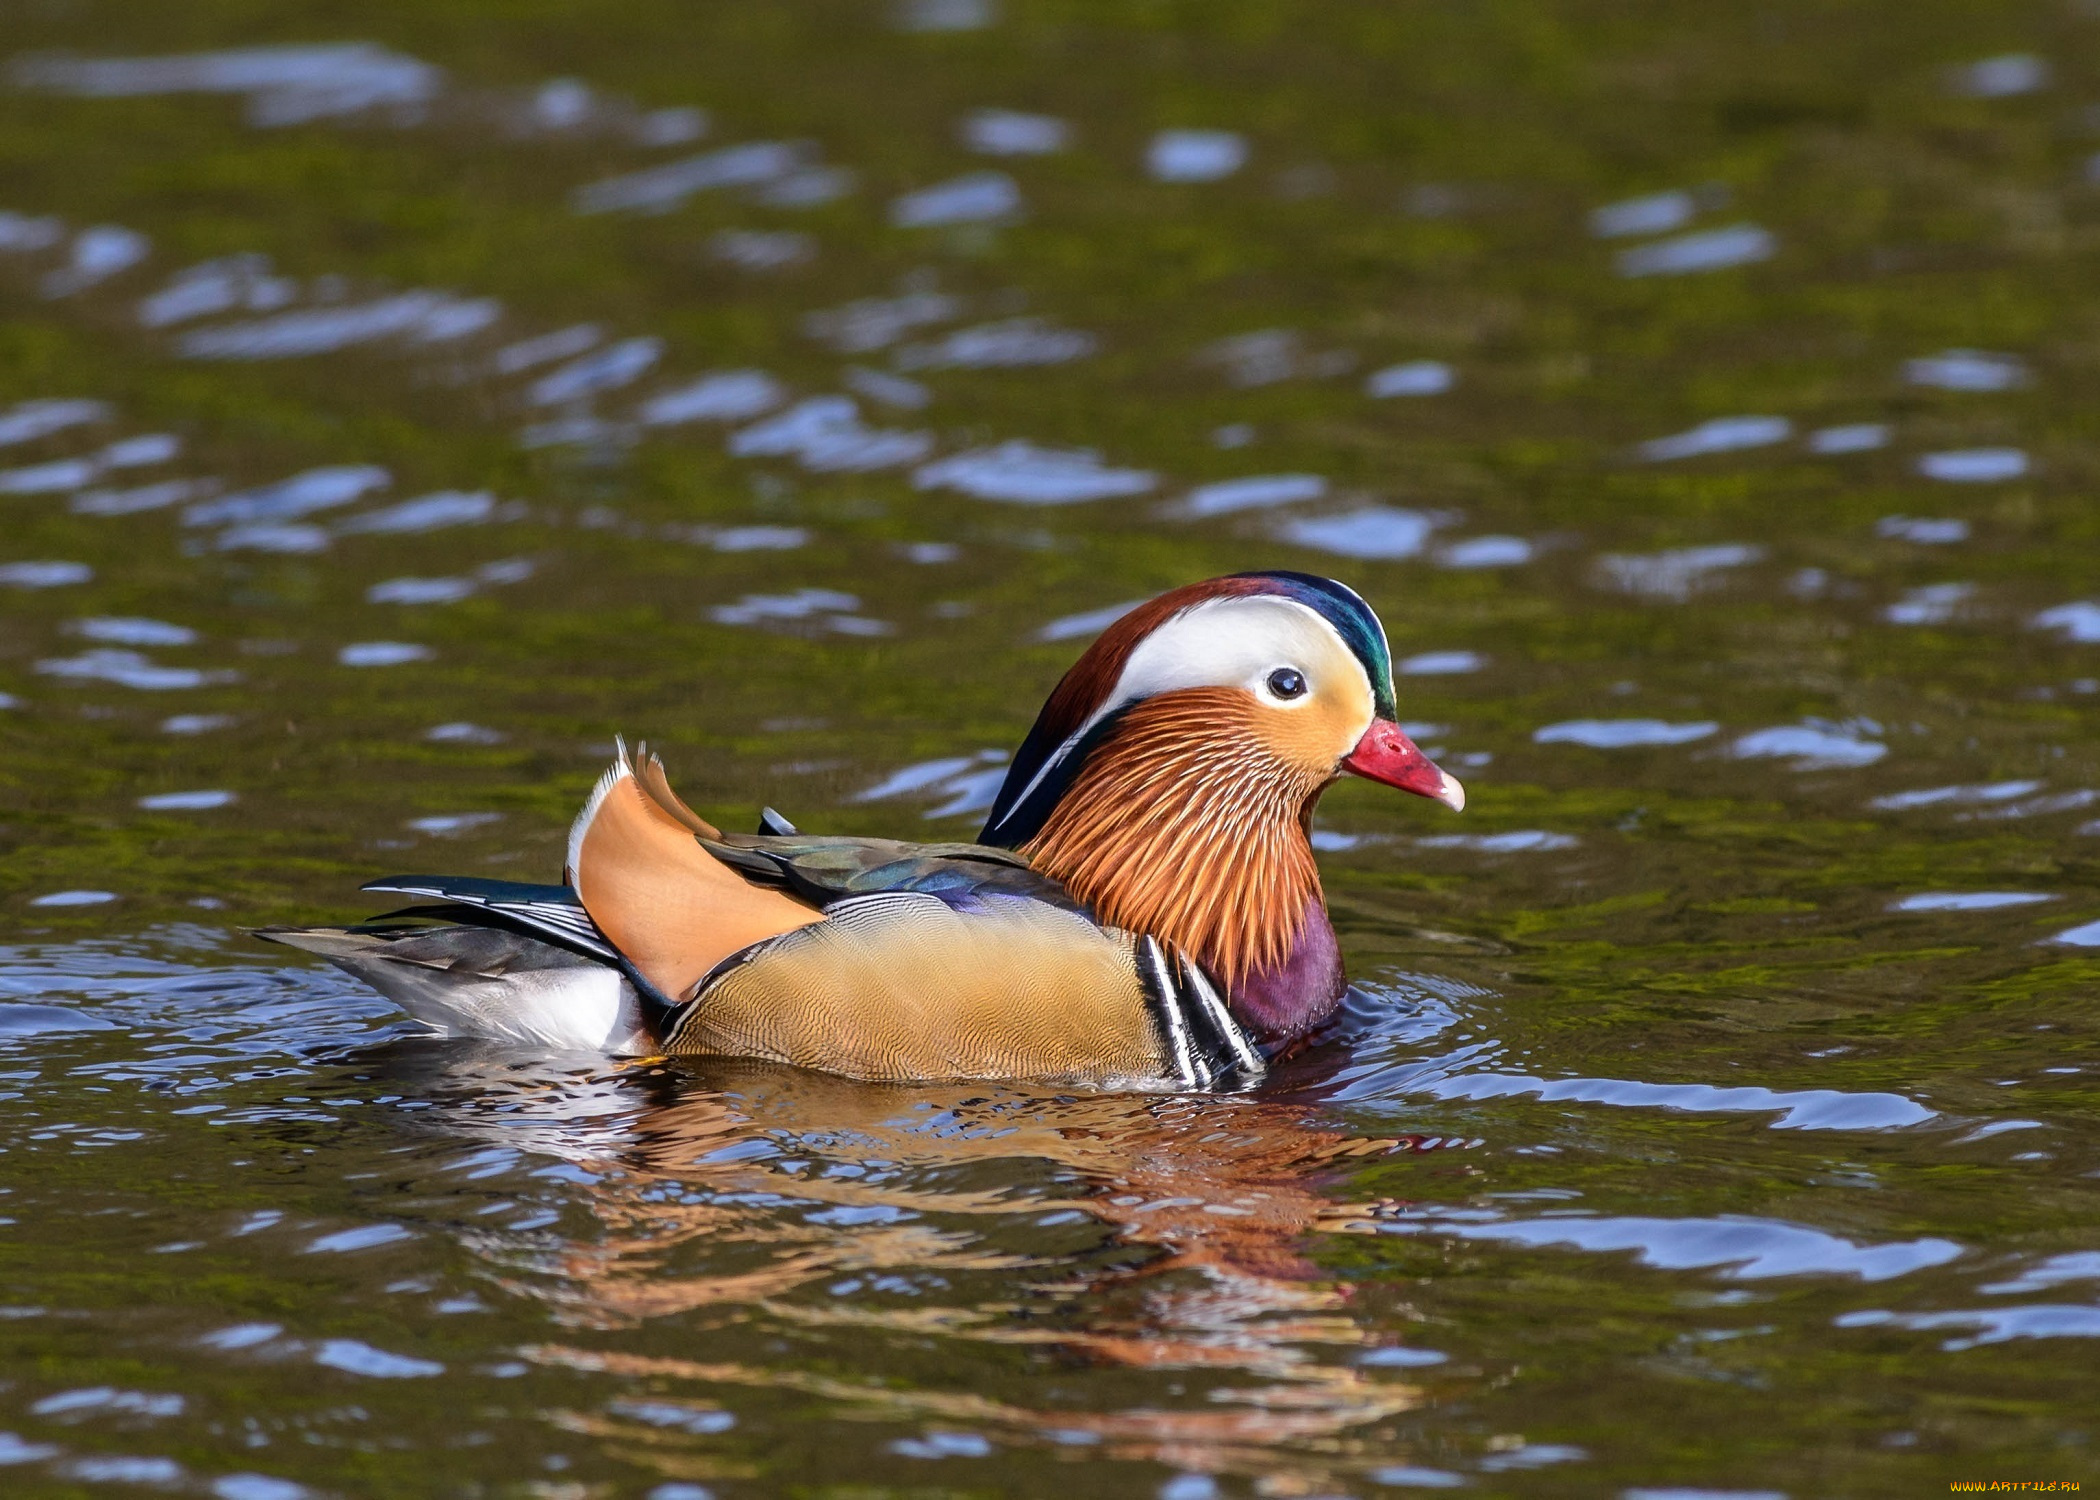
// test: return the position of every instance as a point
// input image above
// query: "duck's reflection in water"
(1151, 1233)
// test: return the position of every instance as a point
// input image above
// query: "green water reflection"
(1702, 395)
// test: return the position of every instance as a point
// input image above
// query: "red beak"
(1385, 754)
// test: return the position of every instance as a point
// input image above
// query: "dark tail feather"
(487, 982)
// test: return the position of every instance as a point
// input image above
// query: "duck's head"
(1169, 781)
(1287, 670)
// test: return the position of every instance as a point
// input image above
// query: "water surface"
(394, 407)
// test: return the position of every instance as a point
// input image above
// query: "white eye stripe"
(1234, 642)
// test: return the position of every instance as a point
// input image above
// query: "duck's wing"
(910, 985)
(824, 870)
(671, 908)
(922, 961)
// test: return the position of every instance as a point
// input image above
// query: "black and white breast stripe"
(1206, 1048)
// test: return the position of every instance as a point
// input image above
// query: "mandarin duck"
(1141, 910)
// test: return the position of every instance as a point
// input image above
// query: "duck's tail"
(486, 982)
(673, 910)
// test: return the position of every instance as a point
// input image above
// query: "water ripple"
(1739, 1246)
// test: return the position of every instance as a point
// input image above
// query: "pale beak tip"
(1452, 793)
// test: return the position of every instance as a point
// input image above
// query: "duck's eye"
(1287, 682)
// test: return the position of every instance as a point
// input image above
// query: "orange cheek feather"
(1310, 740)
